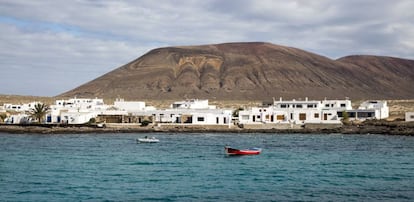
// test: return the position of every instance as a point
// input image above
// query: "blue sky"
(49, 47)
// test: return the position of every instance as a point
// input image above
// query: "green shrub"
(345, 118)
(92, 121)
(145, 123)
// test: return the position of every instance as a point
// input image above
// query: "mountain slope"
(252, 71)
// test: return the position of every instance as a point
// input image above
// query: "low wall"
(281, 126)
(318, 126)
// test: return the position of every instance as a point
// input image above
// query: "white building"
(23, 113)
(18, 119)
(312, 111)
(197, 112)
(193, 116)
(372, 109)
(75, 111)
(295, 112)
(339, 105)
(74, 117)
(81, 103)
(20, 107)
(380, 108)
(192, 104)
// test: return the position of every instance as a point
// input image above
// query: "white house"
(293, 112)
(81, 103)
(20, 107)
(75, 117)
(197, 112)
(194, 116)
(338, 105)
(380, 107)
(23, 116)
(75, 111)
(18, 119)
(192, 104)
(372, 109)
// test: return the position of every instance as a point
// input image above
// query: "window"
(343, 105)
(298, 106)
(316, 115)
(280, 117)
(326, 105)
(283, 106)
(310, 106)
(302, 116)
(200, 119)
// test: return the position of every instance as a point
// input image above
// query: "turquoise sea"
(193, 167)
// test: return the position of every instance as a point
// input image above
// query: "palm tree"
(39, 111)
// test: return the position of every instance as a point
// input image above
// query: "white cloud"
(72, 42)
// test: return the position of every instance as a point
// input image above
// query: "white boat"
(148, 140)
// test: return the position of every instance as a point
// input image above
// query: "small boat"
(251, 151)
(148, 140)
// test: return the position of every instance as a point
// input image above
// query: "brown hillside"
(252, 71)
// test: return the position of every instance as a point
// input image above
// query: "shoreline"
(371, 127)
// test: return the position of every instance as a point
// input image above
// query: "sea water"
(193, 167)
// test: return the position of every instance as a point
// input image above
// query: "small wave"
(142, 163)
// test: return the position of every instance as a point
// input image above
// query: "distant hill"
(252, 71)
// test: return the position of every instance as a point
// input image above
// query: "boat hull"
(232, 151)
(147, 140)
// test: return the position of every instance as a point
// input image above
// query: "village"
(279, 114)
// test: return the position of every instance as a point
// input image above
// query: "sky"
(48, 47)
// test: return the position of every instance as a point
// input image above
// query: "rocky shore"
(367, 127)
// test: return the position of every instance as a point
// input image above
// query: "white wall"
(409, 116)
(77, 118)
(129, 105)
(289, 115)
(211, 119)
(18, 119)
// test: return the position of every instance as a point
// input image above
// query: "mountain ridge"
(252, 71)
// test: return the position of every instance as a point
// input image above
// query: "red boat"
(232, 151)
